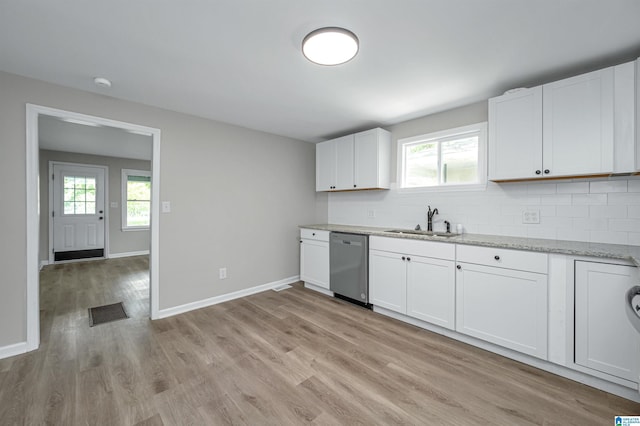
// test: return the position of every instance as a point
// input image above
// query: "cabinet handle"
(314, 234)
(458, 266)
(408, 259)
(354, 185)
(538, 172)
(546, 171)
(496, 257)
(403, 258)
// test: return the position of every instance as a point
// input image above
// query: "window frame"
(479, 128)
(124, 198)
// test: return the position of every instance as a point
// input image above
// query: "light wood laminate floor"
(274, 358)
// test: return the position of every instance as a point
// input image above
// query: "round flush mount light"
(102, 82)
(330, 46)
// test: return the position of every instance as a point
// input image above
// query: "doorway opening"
(34, 114)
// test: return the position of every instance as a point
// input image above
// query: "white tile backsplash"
(582, 210)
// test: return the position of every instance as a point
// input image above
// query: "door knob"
(100, 212)
(100, 218)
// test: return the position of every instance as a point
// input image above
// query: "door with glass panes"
(78, 211)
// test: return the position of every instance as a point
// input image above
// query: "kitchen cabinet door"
(605, 340)
(344, 163)
(578, 125)
(515, 135)
(503, 306)
(388, 280)
(314, 262)
(325, 166)
(431, 290)
(372, 150)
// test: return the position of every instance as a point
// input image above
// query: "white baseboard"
(43, 263)
(318, 289)
(12, 350)
(164, 313)
(128, 254)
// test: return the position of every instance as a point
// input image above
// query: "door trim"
(52, 163)
(33, 214)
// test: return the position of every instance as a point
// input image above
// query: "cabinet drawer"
(415, 247)
(314, 234)
(503, 258)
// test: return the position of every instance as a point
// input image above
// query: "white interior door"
(78, 211)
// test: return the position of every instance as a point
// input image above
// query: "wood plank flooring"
(274, 358)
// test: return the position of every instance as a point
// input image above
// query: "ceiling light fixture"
(330, 46)
(102, 82)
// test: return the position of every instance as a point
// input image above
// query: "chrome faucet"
(430, 214)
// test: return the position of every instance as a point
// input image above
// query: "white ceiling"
(58, 135)
(240, 61)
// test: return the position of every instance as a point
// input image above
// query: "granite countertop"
(575, 248)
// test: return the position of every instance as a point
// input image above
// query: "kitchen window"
(450, 159)
(136, 199)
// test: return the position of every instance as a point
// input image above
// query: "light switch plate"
(531, 216)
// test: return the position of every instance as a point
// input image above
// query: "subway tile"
(609, 237)
(541, 188)
(590, 224)
(514, 231)
(624, 225)
(624, 199)
(633, 212)
(546, 233)
(556, 199)
(588, 199)
(573, 234)
(573, 188)
(607, 186)
(572, 211)
(556, 222)
(607, 212)
(634, 238)
(633, 185)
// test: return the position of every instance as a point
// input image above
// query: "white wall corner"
(12, 350)
(43, 263)
(168, 312)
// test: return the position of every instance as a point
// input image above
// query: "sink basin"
(427, 233)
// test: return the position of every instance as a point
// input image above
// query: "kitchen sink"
(427, 233)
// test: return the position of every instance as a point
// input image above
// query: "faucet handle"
(446, 222)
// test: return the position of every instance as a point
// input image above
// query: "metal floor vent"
(107, 313)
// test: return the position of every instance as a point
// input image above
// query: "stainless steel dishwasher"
(349, 266)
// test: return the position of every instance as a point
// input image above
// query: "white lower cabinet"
(503, 306)
(388, 281)
(605, 340)
(402, 279)
(431, 290)
(314, 257)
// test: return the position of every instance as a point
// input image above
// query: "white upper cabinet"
(344, 162)
(577, 126)
(571, 127)
(353, 162)
(326, 166)
(515, 135)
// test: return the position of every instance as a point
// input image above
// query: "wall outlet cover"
(166, 207)
(223, 273)
(531, 216)
(371, 213)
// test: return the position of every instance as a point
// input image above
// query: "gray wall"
(237, 197)
(119, 241)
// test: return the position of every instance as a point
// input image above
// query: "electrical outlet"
(531, 216)
(166, 207)
(223, 273)
(371, 213)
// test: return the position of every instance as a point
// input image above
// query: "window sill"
(141, 228)
(443, 188)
